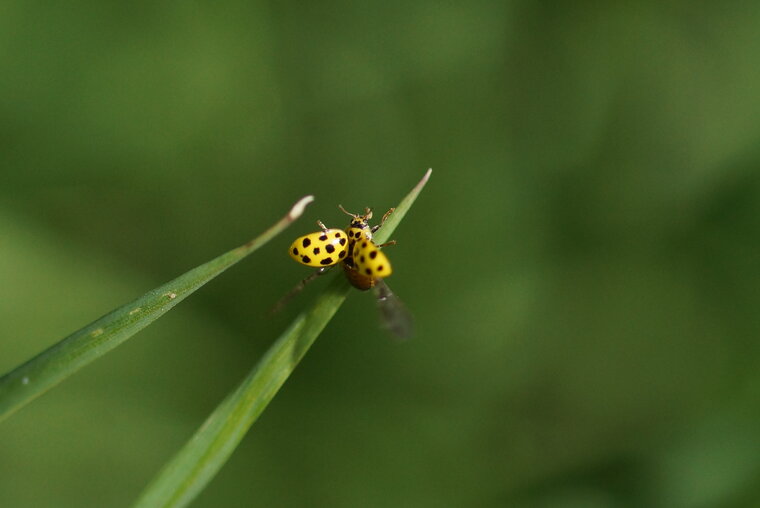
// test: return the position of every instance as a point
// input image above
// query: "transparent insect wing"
(323, 248)
(393, 314)
(369, 260)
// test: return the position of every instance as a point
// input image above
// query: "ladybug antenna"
(367, 213)
(347, 212)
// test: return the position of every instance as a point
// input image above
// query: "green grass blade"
(205, 453)
(36, 376)
(389, 226)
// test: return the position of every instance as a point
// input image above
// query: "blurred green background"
(583, 265)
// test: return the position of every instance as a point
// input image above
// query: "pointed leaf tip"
(299, 207)
(426, 177)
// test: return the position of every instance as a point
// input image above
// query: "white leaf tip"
(299, 207)
(424, 180)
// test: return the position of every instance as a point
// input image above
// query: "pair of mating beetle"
(364, 264)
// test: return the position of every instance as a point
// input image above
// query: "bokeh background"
(583, 265)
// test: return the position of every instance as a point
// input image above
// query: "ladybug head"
(359, 221)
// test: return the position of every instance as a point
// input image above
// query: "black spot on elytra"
(306, 259)
(322, 238)
(295, 251)
(373, 254)
(316, 250)
(330, 248)
(342, 254)
(380, 268)
(364, 245)
(326, 261)
(361, 259)
(306, 242)
(337, 235)
(343, 241)
(369, 271)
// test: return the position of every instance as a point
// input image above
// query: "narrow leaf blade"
(33, 378)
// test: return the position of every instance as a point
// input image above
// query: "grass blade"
(206, 452)
(33, 378)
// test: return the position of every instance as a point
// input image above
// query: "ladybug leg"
(382, 221)
(297, 289)
(386, 244)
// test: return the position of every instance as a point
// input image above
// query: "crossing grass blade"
(193, 467)
(33, 378)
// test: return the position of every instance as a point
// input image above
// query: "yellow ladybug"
(323, 248)
(366, 259)
(364, 264)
